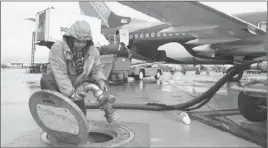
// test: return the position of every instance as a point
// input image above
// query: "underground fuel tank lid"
(59, 117)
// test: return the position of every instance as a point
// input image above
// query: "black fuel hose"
(202, 98)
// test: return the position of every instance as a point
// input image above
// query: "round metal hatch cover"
(59, 116)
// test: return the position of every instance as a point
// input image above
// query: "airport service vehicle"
(219, 68)
(139, 71)
(50, 26)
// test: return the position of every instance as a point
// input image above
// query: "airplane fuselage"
(145, 38)
(146, 42)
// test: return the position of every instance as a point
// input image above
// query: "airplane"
(201, 44)
(207, 36)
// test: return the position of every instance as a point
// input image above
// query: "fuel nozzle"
(105, 104)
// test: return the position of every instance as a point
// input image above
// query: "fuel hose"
(202, 99)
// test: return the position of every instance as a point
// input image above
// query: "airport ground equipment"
(256, 67)
(219, 68)
(139, 71)
(50, 26)
(252, 100)
(116, 68)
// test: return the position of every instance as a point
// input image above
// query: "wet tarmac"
(17, 86)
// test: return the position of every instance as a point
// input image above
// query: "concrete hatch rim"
(117, 140)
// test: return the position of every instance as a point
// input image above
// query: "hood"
(80, 30)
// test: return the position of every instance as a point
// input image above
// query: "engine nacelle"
(204, 50)
(260, 66)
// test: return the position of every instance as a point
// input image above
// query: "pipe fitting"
(105, 101)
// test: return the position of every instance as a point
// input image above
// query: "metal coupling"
(105, 102)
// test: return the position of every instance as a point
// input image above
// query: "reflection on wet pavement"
(17, 87)
(176, 89)
(170, 89)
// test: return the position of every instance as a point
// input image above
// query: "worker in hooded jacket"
(73, 61)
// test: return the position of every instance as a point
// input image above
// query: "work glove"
(79, 93)
(79, 66)
(102, 85)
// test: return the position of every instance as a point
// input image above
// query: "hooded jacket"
(61, 62)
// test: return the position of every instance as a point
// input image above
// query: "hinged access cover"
(59, 117)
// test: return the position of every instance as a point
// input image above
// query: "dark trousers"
(48, 82)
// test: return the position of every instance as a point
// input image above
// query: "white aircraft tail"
(101, 10)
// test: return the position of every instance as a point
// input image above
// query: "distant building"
(15, 65)
(4, 65)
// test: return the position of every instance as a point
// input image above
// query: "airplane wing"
(209, 26)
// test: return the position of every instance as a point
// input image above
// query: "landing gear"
(236, 77)
(197, 72)
(252, 108)
(140, 76)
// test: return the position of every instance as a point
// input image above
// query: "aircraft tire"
(250, 109)
(235, 78)
(141, 75)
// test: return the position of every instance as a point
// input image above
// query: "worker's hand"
(79, 66)
(78, 96)
(79, 93)
(103, 85)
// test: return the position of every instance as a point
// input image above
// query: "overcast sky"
(16, 32)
